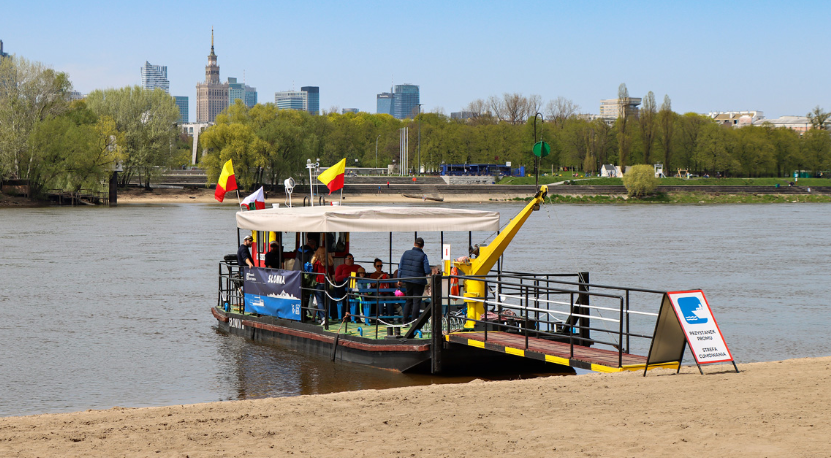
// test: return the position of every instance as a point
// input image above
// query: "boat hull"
(396, 354)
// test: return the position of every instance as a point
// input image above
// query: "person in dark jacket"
(413, 263)
(272, 258)
(243, 255)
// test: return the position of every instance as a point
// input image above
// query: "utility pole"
(536, 158)
(418, 167)
(376, 152)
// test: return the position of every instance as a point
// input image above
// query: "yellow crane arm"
(489, 254)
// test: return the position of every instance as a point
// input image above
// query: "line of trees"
(56, 143)
(268, 145)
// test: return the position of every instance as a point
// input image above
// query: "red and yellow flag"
(226, 182)
(333, 176)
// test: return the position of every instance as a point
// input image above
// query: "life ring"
(454, 282)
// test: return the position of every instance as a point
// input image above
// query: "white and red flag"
(255, 201)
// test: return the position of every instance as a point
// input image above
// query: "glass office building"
(383, 103)
(154, 76)
(312, 99)
(241, 91)
(291, 100)
(405, 101)
(182, 103)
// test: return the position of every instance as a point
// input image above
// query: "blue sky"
(707, 56)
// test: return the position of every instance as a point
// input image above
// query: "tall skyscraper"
(383, 102)
(154, 76)
(405, 101)
(211, 96)
(250, 96)
(241, 91)
(182, 103)
(312, 99)
(292, 100)
(401, 103)
(2, 54)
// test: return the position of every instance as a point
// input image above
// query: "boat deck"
(594, 359)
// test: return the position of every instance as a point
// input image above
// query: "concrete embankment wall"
(434, 185)
(529, 190)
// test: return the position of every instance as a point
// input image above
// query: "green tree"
(640, 180)
(622, 126)
(713, 149)
(147, 119)
(75, 150)
(754, 151)
(690, 126)
(233, 141)
(816, 150)
(818, 118)
(666, 128)
(30, 93)
(646, 121)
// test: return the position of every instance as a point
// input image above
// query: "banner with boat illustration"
(272, 292)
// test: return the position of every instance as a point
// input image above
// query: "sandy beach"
(769, 409)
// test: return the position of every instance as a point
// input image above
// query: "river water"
(110, 306)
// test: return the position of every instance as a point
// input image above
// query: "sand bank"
(769, 409)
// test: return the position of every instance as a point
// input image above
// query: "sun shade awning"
(367, 219)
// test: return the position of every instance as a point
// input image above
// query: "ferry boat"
(476, 314)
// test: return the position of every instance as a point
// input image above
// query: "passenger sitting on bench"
(345, 270)
(379, 274)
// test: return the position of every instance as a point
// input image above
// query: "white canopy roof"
(367, 219)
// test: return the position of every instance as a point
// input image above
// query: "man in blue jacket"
(413, 263)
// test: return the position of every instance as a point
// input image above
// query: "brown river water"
(110, 307)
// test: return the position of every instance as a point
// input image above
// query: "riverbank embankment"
(411, 193)
(780, 408)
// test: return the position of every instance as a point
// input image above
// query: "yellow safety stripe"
(514, 351)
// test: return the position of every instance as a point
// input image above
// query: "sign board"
(445, 252)
(700, 328)
(685, 318)
(541, 149)
(272, 292)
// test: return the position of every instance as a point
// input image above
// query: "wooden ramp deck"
(593, 359)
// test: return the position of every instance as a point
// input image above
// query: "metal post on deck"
(436, 336)
(620, 337)
(583, 299)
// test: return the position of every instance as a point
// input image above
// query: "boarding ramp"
(562, 319)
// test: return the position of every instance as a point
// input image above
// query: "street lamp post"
(376, 152)
(536, 159)
(418, 168)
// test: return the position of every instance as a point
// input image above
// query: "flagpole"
(239, 202)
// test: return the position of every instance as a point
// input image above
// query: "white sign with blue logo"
(700, 327)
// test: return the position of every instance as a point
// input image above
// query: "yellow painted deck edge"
(556, 360)
(475, 343)
(514, 351)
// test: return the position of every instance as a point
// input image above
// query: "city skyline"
(705, 56)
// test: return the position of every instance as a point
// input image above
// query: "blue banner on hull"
(272, 292)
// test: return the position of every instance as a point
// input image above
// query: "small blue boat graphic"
(693, 310)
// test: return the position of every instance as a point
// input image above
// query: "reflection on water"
(109, 307)
(260, 371)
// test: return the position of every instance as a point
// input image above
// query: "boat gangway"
(569, 322)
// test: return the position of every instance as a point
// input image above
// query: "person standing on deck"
(243, 255)
(272, 258)
(413, 263)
